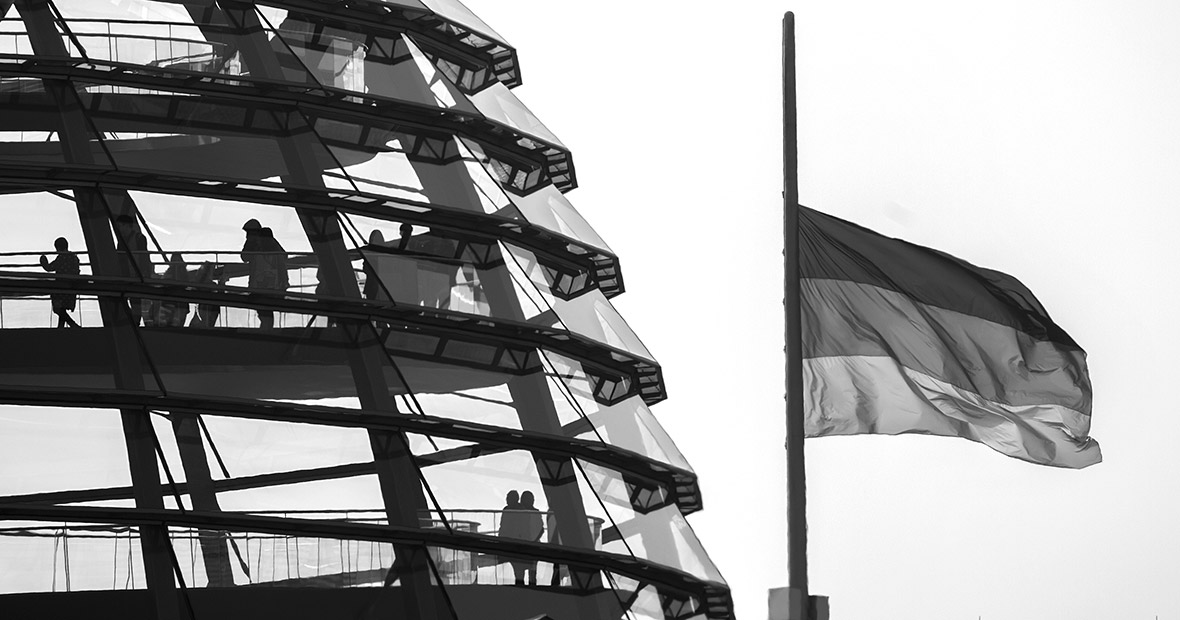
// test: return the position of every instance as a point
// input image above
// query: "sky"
(1036, 138)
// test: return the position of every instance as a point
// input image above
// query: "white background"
(1038, 138)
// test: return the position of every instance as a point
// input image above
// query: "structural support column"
(530, 393)
(74, 135)
(398, 476)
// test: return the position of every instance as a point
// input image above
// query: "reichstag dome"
(299, 323)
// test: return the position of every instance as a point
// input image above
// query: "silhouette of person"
(66, 263)
(132, 245)
(405, 230)
(512, 524)
(206, 314)
(533, 526)
(373, 288)
(174, 313)
(268, 264)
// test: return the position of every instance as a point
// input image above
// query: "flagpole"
(796, 478)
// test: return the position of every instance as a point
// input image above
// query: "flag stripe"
(831, 248)
(996, 362)
(850, 395)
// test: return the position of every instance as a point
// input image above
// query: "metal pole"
(796, 479)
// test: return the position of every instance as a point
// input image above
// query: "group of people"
(521, 520)
(264, 256)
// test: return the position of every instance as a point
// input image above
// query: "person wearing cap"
(267, 260)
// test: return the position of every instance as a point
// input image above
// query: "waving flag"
(899, 338)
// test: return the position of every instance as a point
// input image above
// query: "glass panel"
(350, 498)
(209, 138)
(13, 38)
(309, 52)
(435, 269)
(545, 206)
(257, 354)
(548, 208)
(38, 556)
(213, 243)
(51, 449)
(43, 126)
(500, 104)
(589, 314)
(406, 167)
(593, 316)
(454, 10)
(660, 535)
(398, 69)
(255, 447)
(138, 10)
(140, 32)
(628, 424)
(487, 397)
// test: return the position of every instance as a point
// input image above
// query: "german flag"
(899, 338)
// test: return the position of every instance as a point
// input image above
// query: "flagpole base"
(789, 604)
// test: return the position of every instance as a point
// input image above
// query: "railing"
(223, 269)
(211, 269)
(69, 557)
(332, 61)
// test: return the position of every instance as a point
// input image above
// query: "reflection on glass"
(40, 556)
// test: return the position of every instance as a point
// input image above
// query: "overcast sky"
(1037, 138)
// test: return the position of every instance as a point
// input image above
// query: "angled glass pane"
(589, 314)
(500, 104)
(660, 535)
(455, 11)
(545, 206)
(397, 68)
(309, 52)
(628, 424)
(407, 167)
(593, 316)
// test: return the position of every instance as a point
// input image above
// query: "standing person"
(65, 264)
(511, 525)
(372, 259)
(174, 313)
(533, 529)
(206, 314)
(132, 244)
(268, 264)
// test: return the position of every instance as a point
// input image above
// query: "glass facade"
(299, 322)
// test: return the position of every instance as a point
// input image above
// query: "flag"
(899, 338)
